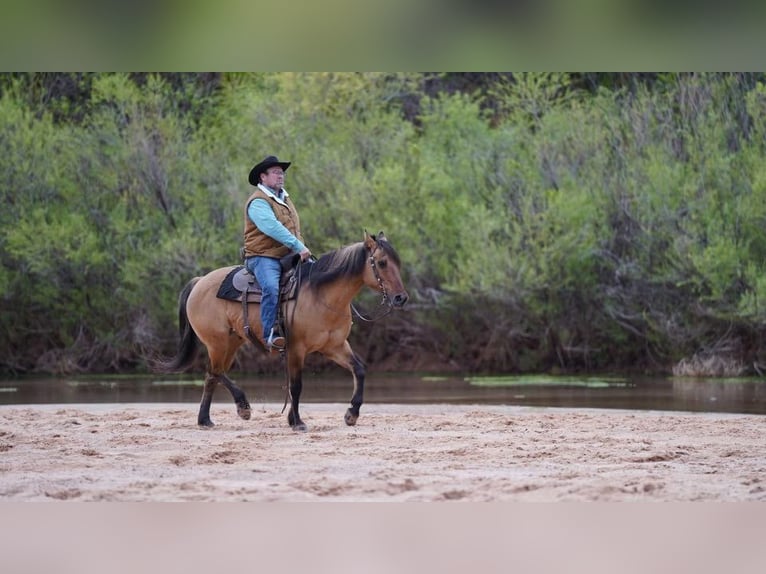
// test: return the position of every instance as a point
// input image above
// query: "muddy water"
(740, 395)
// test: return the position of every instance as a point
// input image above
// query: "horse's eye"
(382, 263)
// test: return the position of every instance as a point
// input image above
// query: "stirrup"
(275, 342)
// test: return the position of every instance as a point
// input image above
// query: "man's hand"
(305, 254)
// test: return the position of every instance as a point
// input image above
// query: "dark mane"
(343, 262)
(346, 261)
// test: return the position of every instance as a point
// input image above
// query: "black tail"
(188, 343)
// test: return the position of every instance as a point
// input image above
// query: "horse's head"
(384, 271)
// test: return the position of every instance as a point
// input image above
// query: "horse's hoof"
(300, 427)
(244, 412)
(208, 424)
(350, 418)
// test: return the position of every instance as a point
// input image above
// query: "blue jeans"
(267, 271)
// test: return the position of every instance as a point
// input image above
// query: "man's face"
(274, 177)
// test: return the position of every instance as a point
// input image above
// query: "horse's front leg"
(358, 371)
(294, 417)
(295, 372)
(346, 358)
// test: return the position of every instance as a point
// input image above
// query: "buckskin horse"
(317, 319)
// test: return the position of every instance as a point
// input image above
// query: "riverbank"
(155, 452)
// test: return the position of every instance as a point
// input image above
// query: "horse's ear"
(381, 236)
(369, 241)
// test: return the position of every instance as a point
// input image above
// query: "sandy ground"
(155, 452)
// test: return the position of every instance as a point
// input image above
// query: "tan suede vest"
(257, 242)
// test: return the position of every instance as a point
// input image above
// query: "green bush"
(539, 225)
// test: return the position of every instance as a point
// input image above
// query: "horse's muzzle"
(399, 299)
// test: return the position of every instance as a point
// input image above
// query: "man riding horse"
(272, 231)
(318, 318)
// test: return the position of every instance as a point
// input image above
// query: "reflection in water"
(726, 391)
(682, 394)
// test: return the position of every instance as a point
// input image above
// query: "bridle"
(385, 300)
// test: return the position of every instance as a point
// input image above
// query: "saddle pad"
(240, 280)
(227, 289)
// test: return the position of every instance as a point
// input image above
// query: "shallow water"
(738, 395)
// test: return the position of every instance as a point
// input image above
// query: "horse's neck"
(341, 292)
(338, 293)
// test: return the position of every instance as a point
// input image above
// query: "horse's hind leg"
(220, 359)
(240, 399)
(224, 363)
(243, 407)
(203, 418)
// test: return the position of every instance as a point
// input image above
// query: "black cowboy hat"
(270, 161)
